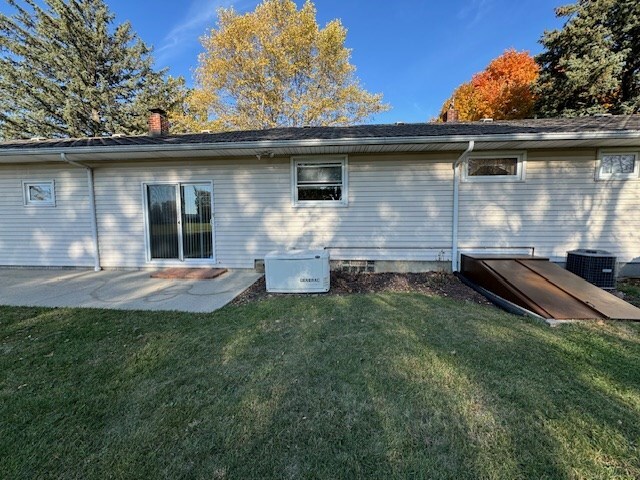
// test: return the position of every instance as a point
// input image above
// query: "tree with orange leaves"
(502, 91)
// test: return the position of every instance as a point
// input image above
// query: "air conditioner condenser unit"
(297, 271)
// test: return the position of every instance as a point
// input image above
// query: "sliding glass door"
(197, 241)
(180, 223)
(163, 225)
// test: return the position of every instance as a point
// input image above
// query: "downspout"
(456, 187)
(92, 206)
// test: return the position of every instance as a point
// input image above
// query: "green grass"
(631, 290)
(362, 386)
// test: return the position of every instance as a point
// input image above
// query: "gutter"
(92, 206)
(336, 142)
(456, 194)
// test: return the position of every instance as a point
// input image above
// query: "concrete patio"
(126, 290)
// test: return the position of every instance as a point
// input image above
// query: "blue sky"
(414, 52)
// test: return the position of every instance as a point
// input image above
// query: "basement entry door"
(180, 222)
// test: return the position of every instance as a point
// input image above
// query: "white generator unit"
(297, 271)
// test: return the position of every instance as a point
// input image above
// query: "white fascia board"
(229, 147)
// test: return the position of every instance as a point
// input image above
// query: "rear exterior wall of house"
(398, 206)
(559, 207)
(399, 210)
(45, 235)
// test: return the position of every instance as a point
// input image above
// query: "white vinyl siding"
(399, 208)
(57, 235)
(559, 208)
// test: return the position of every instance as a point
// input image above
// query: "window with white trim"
(39, 193)
(617, 165)
(502, 167)
(319, 181)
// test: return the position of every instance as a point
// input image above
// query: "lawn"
(631, 290)
(360, 386)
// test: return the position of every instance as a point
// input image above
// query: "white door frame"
(147, 228)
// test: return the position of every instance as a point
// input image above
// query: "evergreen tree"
(67, 71)
(592, 65)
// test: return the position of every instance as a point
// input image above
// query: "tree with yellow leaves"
(504, 90)
(276, 67)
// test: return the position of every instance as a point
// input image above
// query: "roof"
(612, 124)
(512, 135)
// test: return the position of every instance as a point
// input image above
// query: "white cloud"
(190, 28)
(474, 11)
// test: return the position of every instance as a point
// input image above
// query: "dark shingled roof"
(532, 126)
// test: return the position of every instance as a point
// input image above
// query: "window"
(617, 165)
(494, 168)
(40, 193)
(320, 182)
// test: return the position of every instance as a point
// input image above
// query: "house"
(404, 197)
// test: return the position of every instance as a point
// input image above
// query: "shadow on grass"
(362, 386)
(567, 398)
(383, 394)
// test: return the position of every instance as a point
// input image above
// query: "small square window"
(40, 193)
(618, 165)
(319, 182)
(494, 168)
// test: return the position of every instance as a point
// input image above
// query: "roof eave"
(261, 145)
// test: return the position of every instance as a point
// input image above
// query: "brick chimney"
(450, 115)
(158, 123)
